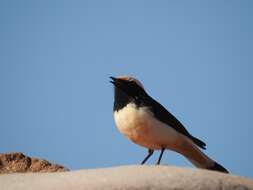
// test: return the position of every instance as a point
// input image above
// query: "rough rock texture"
(18, 162)
(126, 178)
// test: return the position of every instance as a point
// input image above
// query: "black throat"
(121, 99)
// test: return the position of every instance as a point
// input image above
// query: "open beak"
(117, 82)
(113, 81)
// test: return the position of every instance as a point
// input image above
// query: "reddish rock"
(19, 163)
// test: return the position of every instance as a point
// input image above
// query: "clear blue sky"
(195, 57)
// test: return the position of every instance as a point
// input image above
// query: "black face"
(126, 91)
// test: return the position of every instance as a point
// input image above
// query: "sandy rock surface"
(18, 162)
(126, 178)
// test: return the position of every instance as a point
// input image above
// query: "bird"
(145, 122)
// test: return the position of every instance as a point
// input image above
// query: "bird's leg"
(160, 157)
(150, 152)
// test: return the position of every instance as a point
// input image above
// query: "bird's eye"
(132, 82)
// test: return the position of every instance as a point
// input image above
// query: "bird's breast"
(140, 126)
(132, 121)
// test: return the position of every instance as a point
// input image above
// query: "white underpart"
(140, 126)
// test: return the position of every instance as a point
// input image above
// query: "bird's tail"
(218, 167)
(198, 158)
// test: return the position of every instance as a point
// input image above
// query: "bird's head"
(129, 86)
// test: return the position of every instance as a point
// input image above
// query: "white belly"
(140, 126)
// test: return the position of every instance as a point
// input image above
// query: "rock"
(18, 162)
(126, 178)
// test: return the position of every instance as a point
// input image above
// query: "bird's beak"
(117, 82)
(113, 81)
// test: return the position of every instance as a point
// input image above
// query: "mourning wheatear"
(147, 123)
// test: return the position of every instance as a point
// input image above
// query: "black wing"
(166, 117)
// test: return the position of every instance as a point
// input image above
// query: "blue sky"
(195, 57)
